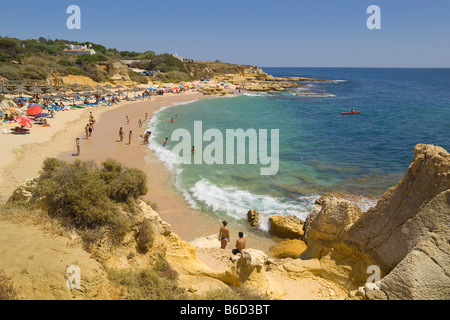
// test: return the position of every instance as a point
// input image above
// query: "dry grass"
(7, 291)
(26, 214)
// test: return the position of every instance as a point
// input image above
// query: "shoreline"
(188, 223)
(24, 161)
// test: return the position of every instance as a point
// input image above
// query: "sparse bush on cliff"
(147, 284)
(145, 236)
(129, 184)
(173, 77)
(136, 77)
(87, 197)
(7, 291)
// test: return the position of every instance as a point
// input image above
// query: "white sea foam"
(235, 202)
(185, 102)
(259, 94)
(230, 201)
(338, 81)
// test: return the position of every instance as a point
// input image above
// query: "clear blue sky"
(296, 33)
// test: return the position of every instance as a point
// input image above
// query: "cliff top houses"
(79, 50)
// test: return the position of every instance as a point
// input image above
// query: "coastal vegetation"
(90, 199)
(101, 207)
(45, 59)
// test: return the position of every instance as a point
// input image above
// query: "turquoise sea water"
(320, 150)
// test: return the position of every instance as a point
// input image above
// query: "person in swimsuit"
(78, 147)
(130, 136)
(121, 134)
(165, 142)
(224, 235)
(240, 244)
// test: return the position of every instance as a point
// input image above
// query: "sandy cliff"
(406, 235)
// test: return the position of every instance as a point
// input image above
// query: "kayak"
(345, 113)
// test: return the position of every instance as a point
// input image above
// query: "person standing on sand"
(128, 120)
(90, 129)
(130, 136)
(121, 134)
(86, 129)
(146, 115)
(140, 123)
(78, 146)
(240, 244)
(224, 235)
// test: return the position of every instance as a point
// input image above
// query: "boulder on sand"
(286, 227)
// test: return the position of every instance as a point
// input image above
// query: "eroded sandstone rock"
(287, 227)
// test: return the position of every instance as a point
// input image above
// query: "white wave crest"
(236, 203)
(259, 94)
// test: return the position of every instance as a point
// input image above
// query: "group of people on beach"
(88, 129)
(224, 238)
(90, 126)
(145, 138)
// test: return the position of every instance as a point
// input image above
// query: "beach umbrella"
(35, 110)
(86, 94)
(88, 88)
(46, 96)
(24, 121)
(14, 111)
(99, 87)
(48, 88)
(108, 86)
(59, 95)
(19, 89)
(36, 90)
(4, 90)
(77, 89)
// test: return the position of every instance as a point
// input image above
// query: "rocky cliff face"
(407, 234)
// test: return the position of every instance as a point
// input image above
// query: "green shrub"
(173, 77)
(145, 236)
(34, 72)
(5, 57)
(136, 77)
(87, 197)
(74, 71)
(72, 192)
(91, 58)
(10, 46)
(10, 72)
(130, 184)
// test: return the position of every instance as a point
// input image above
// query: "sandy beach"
(22, 158)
